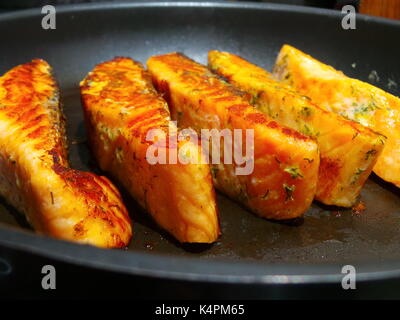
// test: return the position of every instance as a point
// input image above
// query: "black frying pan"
(251, 250)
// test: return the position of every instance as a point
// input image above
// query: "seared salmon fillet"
(121, 109)
(283, 181)
(35, 176)
(351, 98)
(348, 150)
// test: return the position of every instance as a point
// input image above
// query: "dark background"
(21, 4)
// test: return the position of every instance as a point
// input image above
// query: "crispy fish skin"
(121, 106)
(35, 176)
(351, 98)
(348, 150)
(199, 99)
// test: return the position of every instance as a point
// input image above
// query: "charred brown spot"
(143, 127)
(142, 117)
(86, 186)
(38, 132)
(220, 92)
(328, 171)
(294, 134)
(80, 230)
(238, 109)
(31, 104)
(273, 124)
(34, 122)
(256, 118)
(163, 87)
(118, 243)
(225, 99)
(26, 112)
(56, 156)
(84, 183)
(109, 185)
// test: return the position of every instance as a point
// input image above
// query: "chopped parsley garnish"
(254, 98)
(306, 111)
(294, 172)
(357, 174)
(370, 153)
(359, 171)
(309, 131)
(289, 191)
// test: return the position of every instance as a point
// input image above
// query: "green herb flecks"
(370, 153)
(254, 98)
(357, 175)
(294, 172)
(289, 190)
(306, 111)
(308, 131)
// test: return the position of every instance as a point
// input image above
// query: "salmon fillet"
(348, 150)
(121, 107)
(351, 98)
(283, 181)
(35, 176)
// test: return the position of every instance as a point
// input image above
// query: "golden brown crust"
(351, 98)
(203, 80)
(201, 100)
(58, 201)
(346, 146)
(121, 106)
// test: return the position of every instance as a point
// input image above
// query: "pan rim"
(142, 263)
(70, 8)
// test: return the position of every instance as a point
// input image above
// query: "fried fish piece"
(35, 176)
(283, 181)
(351, 98)
(348, 150)
(121, 109)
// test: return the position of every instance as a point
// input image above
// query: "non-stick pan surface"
(313, 249)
